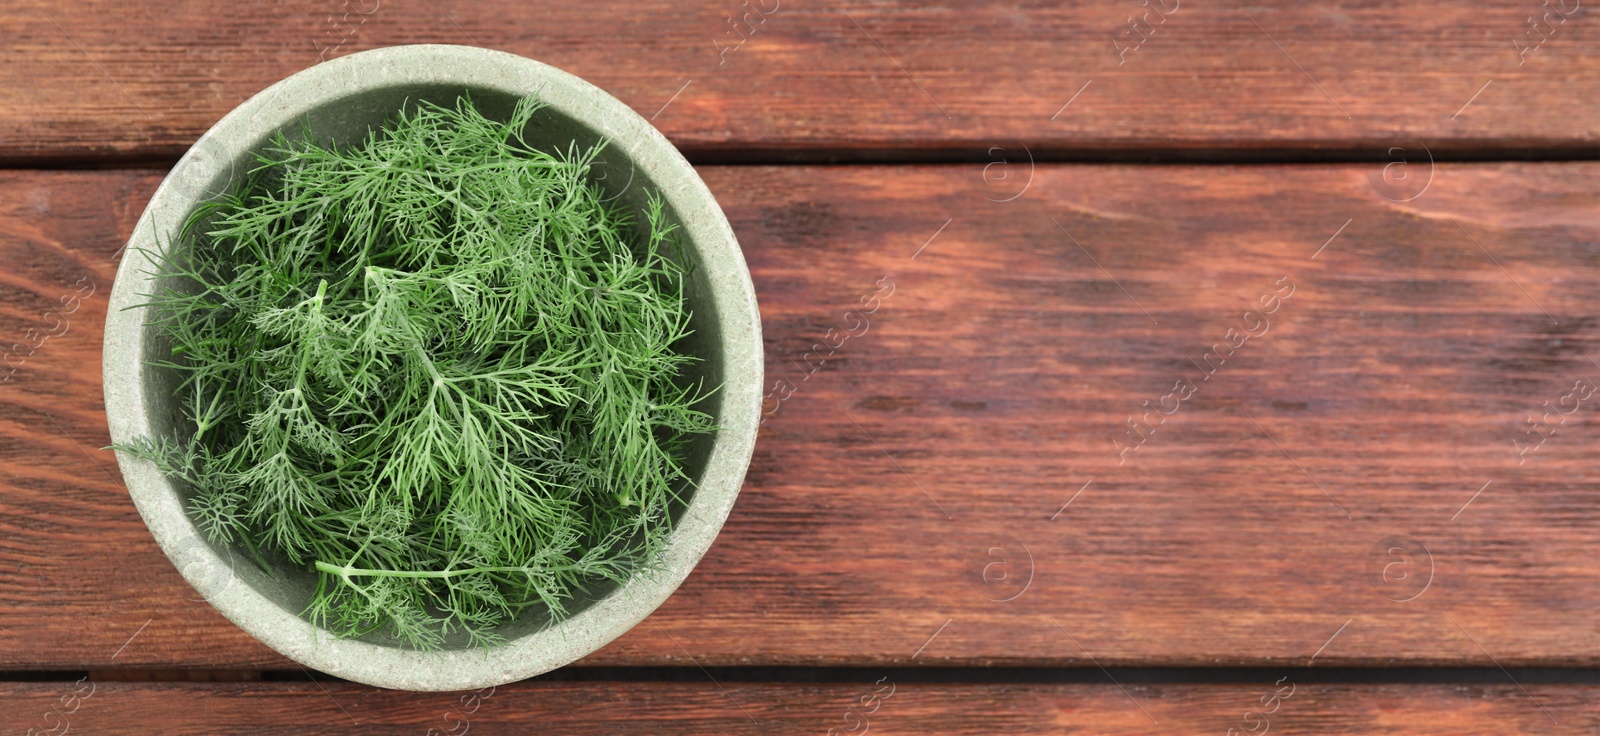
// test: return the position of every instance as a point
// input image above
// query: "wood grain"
(899, 493)
(813, 80)
(756, 708)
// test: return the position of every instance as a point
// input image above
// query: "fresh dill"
(436, 367)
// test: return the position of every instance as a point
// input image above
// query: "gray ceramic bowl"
(339, 100)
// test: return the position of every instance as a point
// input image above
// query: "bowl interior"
(627, 184)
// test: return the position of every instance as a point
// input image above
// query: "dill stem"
(348, 572)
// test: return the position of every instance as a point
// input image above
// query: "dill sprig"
(436, 367)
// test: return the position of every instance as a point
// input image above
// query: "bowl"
(340, 100)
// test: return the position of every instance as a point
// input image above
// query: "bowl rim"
(707, 233)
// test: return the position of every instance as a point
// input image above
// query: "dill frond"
(438, 368)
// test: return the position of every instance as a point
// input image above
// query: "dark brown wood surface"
(1020, 415)
(945, 489)
(773, 78)
(1276, 705)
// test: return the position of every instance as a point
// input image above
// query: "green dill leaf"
(437, 367)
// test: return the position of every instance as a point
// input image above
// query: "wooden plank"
(878, 705)
(866, 80)
(945, 488)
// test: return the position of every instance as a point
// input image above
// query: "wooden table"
(1235, 367)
